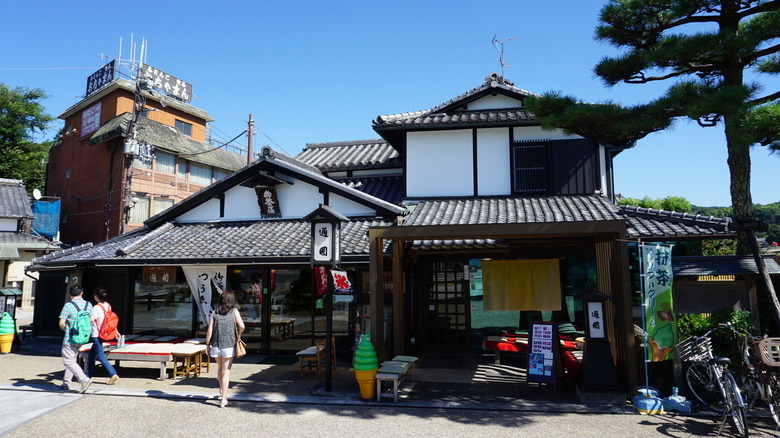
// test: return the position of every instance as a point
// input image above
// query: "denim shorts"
(222, 352)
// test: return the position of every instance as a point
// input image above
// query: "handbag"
(240, 345)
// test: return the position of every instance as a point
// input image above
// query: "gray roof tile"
(350, 155)
(721, 265)
(14, 202)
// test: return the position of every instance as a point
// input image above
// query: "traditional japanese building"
(450, 214)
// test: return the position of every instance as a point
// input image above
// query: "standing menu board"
(544, 354)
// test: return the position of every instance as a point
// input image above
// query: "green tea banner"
(660, 320)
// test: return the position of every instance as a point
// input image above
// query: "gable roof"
(721, 265)
(455, 112)
(268, 163)
(164, 137)
(234, 242)
(14, 202)
(350, 155)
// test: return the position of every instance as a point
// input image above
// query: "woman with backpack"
(225, 328)
(101, 332)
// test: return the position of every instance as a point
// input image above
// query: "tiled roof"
(14, 202)
(23, 240)
(388, 188)
(648, 222)
(228, 242)
(640, 222)
(483, 211)
(452, 112)
(721, 265)
(169, 139)
(350, 155)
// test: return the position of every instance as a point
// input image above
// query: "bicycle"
(711, 382)
(758, 376)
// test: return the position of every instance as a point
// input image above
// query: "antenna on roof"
(496, 43)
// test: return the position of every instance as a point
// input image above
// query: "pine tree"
(707, 47)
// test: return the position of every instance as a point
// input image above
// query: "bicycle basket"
(695, 349)
(769, 348)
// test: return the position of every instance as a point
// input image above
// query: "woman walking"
(97, 316)
(225, 328)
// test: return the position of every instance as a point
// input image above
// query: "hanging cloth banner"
(321, 277)
(341, 284)
(200, 279)
(660, 320)
(521, 284)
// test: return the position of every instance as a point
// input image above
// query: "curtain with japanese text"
(200, 279)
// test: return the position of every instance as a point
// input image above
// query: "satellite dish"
(36, 194)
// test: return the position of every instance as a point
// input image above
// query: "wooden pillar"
(398, 298)
(376, 298)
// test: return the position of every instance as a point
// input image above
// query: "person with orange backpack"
(104, 328)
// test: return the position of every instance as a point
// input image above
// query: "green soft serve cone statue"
(365, 367)
(7, 332)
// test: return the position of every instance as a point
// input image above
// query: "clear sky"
(317, 71)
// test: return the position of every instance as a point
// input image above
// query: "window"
(200, 174)
(165, 162)
(220, 174)
(181, 169)
(161, 204)
(184, 127)
(139, 211)
(531, 168)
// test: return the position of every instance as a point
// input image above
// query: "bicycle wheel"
(748, 382)
(773, 395)
(735, 405)
(703, 386)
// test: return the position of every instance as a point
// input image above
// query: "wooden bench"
(27, 331)
(395, 371)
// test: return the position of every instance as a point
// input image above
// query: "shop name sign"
(166, 83)
(100, 78)
(325, 244)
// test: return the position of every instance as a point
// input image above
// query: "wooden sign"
(544, 354)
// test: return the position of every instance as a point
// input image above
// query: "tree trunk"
(742, 204)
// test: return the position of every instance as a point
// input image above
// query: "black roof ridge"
(343, 143)
(62, 252)
(673, 215)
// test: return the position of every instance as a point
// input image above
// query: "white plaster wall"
(207, 211)
(347, 207)
(603, 168)
(439, 163)
(499, 101)
(537, 133)
(493, 169)
(297, 200)
(9, 224)
(241, 204)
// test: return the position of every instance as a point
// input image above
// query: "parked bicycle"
(759, 375)
(710, 381)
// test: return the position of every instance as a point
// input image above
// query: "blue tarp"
(47, 218)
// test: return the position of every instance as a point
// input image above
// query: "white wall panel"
(9, 225)
(493, 167)
(439, 163)
(241, 204)
(498, 101)
(537, 133)
(208, 211)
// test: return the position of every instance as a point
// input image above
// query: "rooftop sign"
(100, 78)
(166, 83)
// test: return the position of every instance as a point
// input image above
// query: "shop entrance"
(446, 308)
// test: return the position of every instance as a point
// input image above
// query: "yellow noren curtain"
(521, 284)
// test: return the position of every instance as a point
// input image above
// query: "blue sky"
(315, 71)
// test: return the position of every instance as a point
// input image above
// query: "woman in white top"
(96, 352)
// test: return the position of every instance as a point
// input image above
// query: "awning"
(10, 291)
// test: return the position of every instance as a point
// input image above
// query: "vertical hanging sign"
(200, 279)
(660, 321)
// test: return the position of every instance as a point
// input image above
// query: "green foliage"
(718, 247)
(669, 203)
(21, 115)
(724, 341)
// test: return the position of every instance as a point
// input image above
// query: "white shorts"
(222, 352)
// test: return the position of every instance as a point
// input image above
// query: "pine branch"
(764, 52)
(764, 99)
(764, 7)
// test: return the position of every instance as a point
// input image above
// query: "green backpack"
(82, 326)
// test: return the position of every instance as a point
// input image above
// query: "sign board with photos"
(544, 354)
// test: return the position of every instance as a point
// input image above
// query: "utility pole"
(250, 139)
